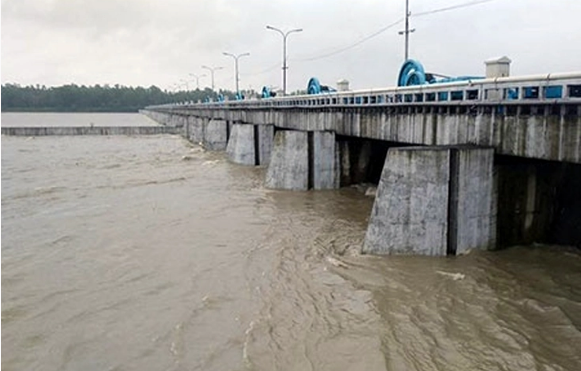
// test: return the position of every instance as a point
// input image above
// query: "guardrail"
(538, 89)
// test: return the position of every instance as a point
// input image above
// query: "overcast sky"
(162, 42)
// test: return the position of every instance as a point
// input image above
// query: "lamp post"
(407, 30)
(236, 66)
(284, 66)
(212, 69)
(197, 77)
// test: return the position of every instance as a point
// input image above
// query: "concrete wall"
(210, 133)
(289, 164)
(434, 201)
(159, 117)
(88, 130)
(198, 129)
(216, 135)
(543, 132)
(409, 215)
(265, 138)
(323, 160)
(474, 196)
(249, 144)
(303, 160)
(240, 148)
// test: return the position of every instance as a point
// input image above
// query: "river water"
(149, 253)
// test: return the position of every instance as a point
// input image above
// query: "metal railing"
(537, 89)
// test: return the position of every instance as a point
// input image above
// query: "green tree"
(97, 98)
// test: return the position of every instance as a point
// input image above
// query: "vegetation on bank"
(98, 98)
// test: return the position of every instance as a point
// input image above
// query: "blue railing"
(554, 88)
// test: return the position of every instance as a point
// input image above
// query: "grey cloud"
(139, 42)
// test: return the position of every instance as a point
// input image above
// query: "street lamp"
(197, 77)
(236, 66)
(284, 66)
(407, 30)
(212, 72)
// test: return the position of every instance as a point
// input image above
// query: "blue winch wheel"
(411, 73)
(267, 93)
(314, 86)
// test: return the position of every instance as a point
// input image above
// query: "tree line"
(97, 98)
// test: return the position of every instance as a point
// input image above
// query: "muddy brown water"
(149, 253)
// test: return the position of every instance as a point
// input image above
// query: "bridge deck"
(539, 89)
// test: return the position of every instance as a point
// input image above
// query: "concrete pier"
(250, 144)
(434, 201)
(322, 164)
(289, 165)
(409, 215)
(212, 134)
(471, 211)
(195, 129)
(215, 135)
(264, 142)
(303, 160)
(240, 147)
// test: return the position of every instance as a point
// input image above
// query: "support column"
(289, 164)
(250, 144)
(264, 143)
(215, 135)
(323, 160)
(302, 160)
(164, 118)
(181, 122)
(240, 147)
(185, 132)
(175, 120)
(475, 204)
(196, 129)
(434, 201)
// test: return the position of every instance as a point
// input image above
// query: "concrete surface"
(289, 164)
(323, 161)
(434, 201)
(240, 148)
(215, 135)
(409, 215)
